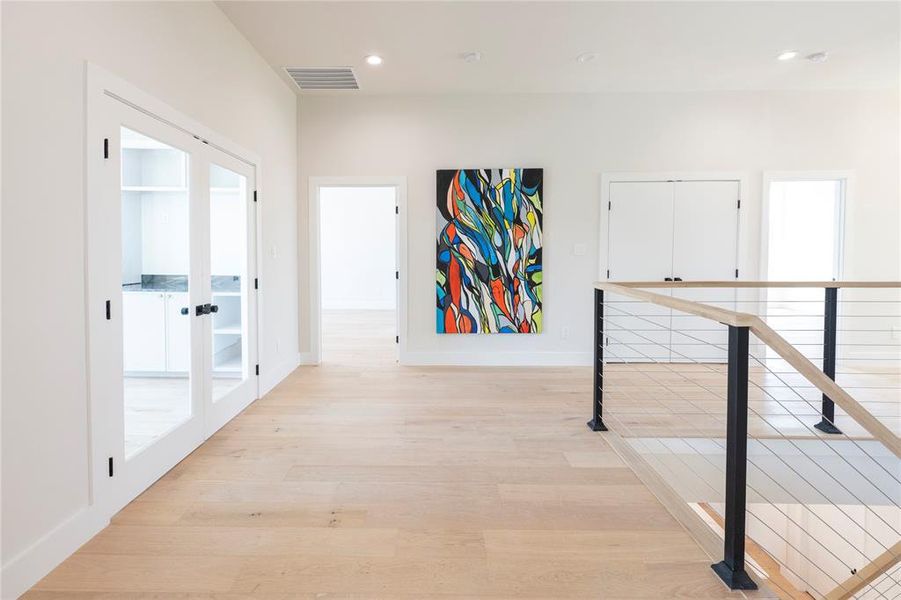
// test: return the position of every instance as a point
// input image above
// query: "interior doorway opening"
(804, 229)
(804, 220)
(359, 273)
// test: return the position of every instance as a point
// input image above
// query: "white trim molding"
(35, 562)
(269, 378)
(499, 359)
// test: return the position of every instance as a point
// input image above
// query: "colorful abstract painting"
(489, 250)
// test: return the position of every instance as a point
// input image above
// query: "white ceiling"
(532, 46)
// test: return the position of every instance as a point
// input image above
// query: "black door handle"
(202, 309)
(677, 279)
(667, 279)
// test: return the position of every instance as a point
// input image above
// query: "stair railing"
(741, 325)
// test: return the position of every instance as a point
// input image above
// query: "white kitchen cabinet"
(144, 328)
(157, 336)
(178, 333)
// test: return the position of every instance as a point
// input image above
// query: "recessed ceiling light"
(787, 55)
(472, 57)
(373, 59)
(818, 57)
(587, 57)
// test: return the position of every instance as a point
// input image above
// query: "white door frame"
(769, 177)
(742, 259)
(399, 183)
(100, 86)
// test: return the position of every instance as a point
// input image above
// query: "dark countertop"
(140, 287)
(179, 283)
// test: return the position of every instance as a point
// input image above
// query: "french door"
(171, 239)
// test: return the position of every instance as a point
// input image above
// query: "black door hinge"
(109, 312)
(739, 203)
(258, 370)
(105, 147)
(254, 195)
(397, 339)
(609, 205)
(397, 274)
(397, 210)
(110, 466)
(256, 283)
(608, 273)
(736, 273)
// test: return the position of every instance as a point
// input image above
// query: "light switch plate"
(579, 249)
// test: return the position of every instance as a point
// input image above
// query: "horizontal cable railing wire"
(659, 376)
(762, 496)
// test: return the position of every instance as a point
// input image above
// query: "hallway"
(361, 478)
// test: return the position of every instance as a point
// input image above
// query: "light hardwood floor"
(364, 479)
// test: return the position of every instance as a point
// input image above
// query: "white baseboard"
(359, 303)
(498, 359)
(308, 358)
(269, 378)
(32, 564)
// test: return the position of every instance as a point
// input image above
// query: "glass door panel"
(156, 262)
(228, 279)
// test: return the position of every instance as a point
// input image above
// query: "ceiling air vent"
(323, 78)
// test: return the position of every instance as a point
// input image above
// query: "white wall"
(357, 251)
(575, 138)
(189, 55)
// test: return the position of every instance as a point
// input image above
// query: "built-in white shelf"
(230, 365)
(225, 190)
(232, 329)
(153, 188)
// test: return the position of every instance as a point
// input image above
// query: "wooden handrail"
(759, 284)
(721, 315)
(867, 575)
(765, 334)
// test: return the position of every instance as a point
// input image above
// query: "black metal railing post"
(732, 568)
(830, 324)
(597, 411)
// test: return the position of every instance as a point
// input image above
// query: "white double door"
(172, 303)
(670, 231)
